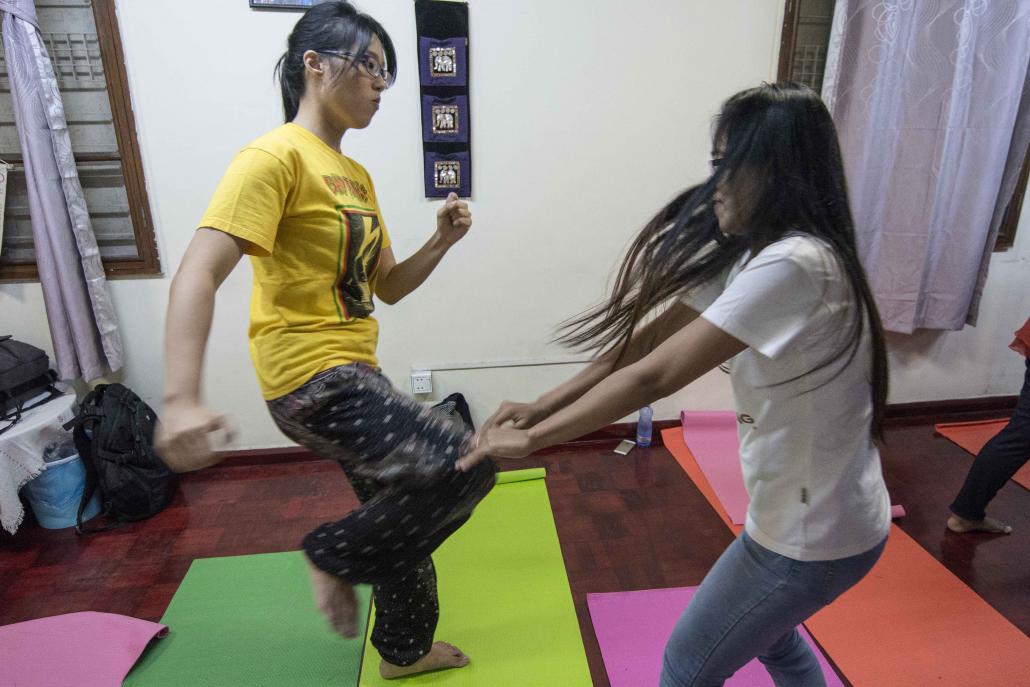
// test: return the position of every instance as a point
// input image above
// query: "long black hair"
(783, 137)
(333, 25)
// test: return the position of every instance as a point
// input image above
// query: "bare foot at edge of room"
(957, 524)
(441, 656)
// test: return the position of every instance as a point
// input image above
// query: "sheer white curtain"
(926, 97)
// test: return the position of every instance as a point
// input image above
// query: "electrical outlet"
(422, 382)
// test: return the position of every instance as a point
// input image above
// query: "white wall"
(587, 115)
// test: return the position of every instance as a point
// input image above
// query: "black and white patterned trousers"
(399, 458)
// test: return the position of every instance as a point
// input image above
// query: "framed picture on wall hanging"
(442, 61)
(284, 4)
(445, 120)
(446, 173)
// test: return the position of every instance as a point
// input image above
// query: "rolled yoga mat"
(908, 622)
(973, 436)
(705, 475)
(673, 440)
(632, 629)
(504, 596)
(250, 621)
(712, 438)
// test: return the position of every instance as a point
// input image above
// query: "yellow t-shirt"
(312, 221)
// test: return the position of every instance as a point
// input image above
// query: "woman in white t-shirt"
(760, 265)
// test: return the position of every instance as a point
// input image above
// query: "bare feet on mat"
(957, 524)
(442, 655)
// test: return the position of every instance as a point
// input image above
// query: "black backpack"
(114, 435)
(24, 375)
(455, 407)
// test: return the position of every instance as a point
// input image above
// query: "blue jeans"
(750, 604)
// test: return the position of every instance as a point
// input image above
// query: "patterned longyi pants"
(399, 458)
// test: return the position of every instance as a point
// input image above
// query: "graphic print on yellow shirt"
(315, 236)
(354, 294)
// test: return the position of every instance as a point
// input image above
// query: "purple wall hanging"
(443, 70)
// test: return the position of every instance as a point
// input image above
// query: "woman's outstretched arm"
(182, 437)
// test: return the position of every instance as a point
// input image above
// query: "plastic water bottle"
(644, 426)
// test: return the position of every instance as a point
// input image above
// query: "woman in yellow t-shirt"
(308, 217)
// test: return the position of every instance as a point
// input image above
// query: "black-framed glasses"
(368, 63)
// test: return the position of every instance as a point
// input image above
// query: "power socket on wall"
(422, 382)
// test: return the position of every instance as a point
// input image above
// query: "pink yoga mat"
(712, 439)
(633, 627)
(83, 649)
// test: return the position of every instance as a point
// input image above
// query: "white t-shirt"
(810, 466)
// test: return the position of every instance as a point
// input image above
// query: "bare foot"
(441, 656)
(335, 598)
(957, 524)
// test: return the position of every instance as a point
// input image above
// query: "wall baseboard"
(951, 410)
(898, 414)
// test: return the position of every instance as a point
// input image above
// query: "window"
(85, 48)
(1010, 220)
(806, 35)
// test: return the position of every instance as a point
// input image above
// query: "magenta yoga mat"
(633, 627)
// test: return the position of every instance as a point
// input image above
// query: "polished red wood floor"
(625, 523)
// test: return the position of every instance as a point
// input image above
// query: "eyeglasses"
(369, 64)
(715, 162)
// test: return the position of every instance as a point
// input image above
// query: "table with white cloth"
(21, 452)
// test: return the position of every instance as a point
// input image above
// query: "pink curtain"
(927, 99)
(82, 320)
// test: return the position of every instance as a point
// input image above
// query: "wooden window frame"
(148, 262)
(788, 39)
(1010, 221)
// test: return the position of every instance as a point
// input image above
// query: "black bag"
(114, 434)
(24, 375)
(456, 407)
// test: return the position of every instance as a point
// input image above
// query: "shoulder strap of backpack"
(52, 392)
(12, 419)
(92, 481)
(88, 418)
(84, 445)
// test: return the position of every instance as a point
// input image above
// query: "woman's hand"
(521, 415)
(182, 437)
(499, 442)
(453, 220)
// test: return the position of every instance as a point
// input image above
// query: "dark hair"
(335, 25)
(784, 138)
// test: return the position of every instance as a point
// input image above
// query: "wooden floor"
(634, 522)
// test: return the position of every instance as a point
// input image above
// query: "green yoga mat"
(249, 620)
(504, 597)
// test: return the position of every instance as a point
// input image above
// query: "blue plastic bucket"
(55, 494)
